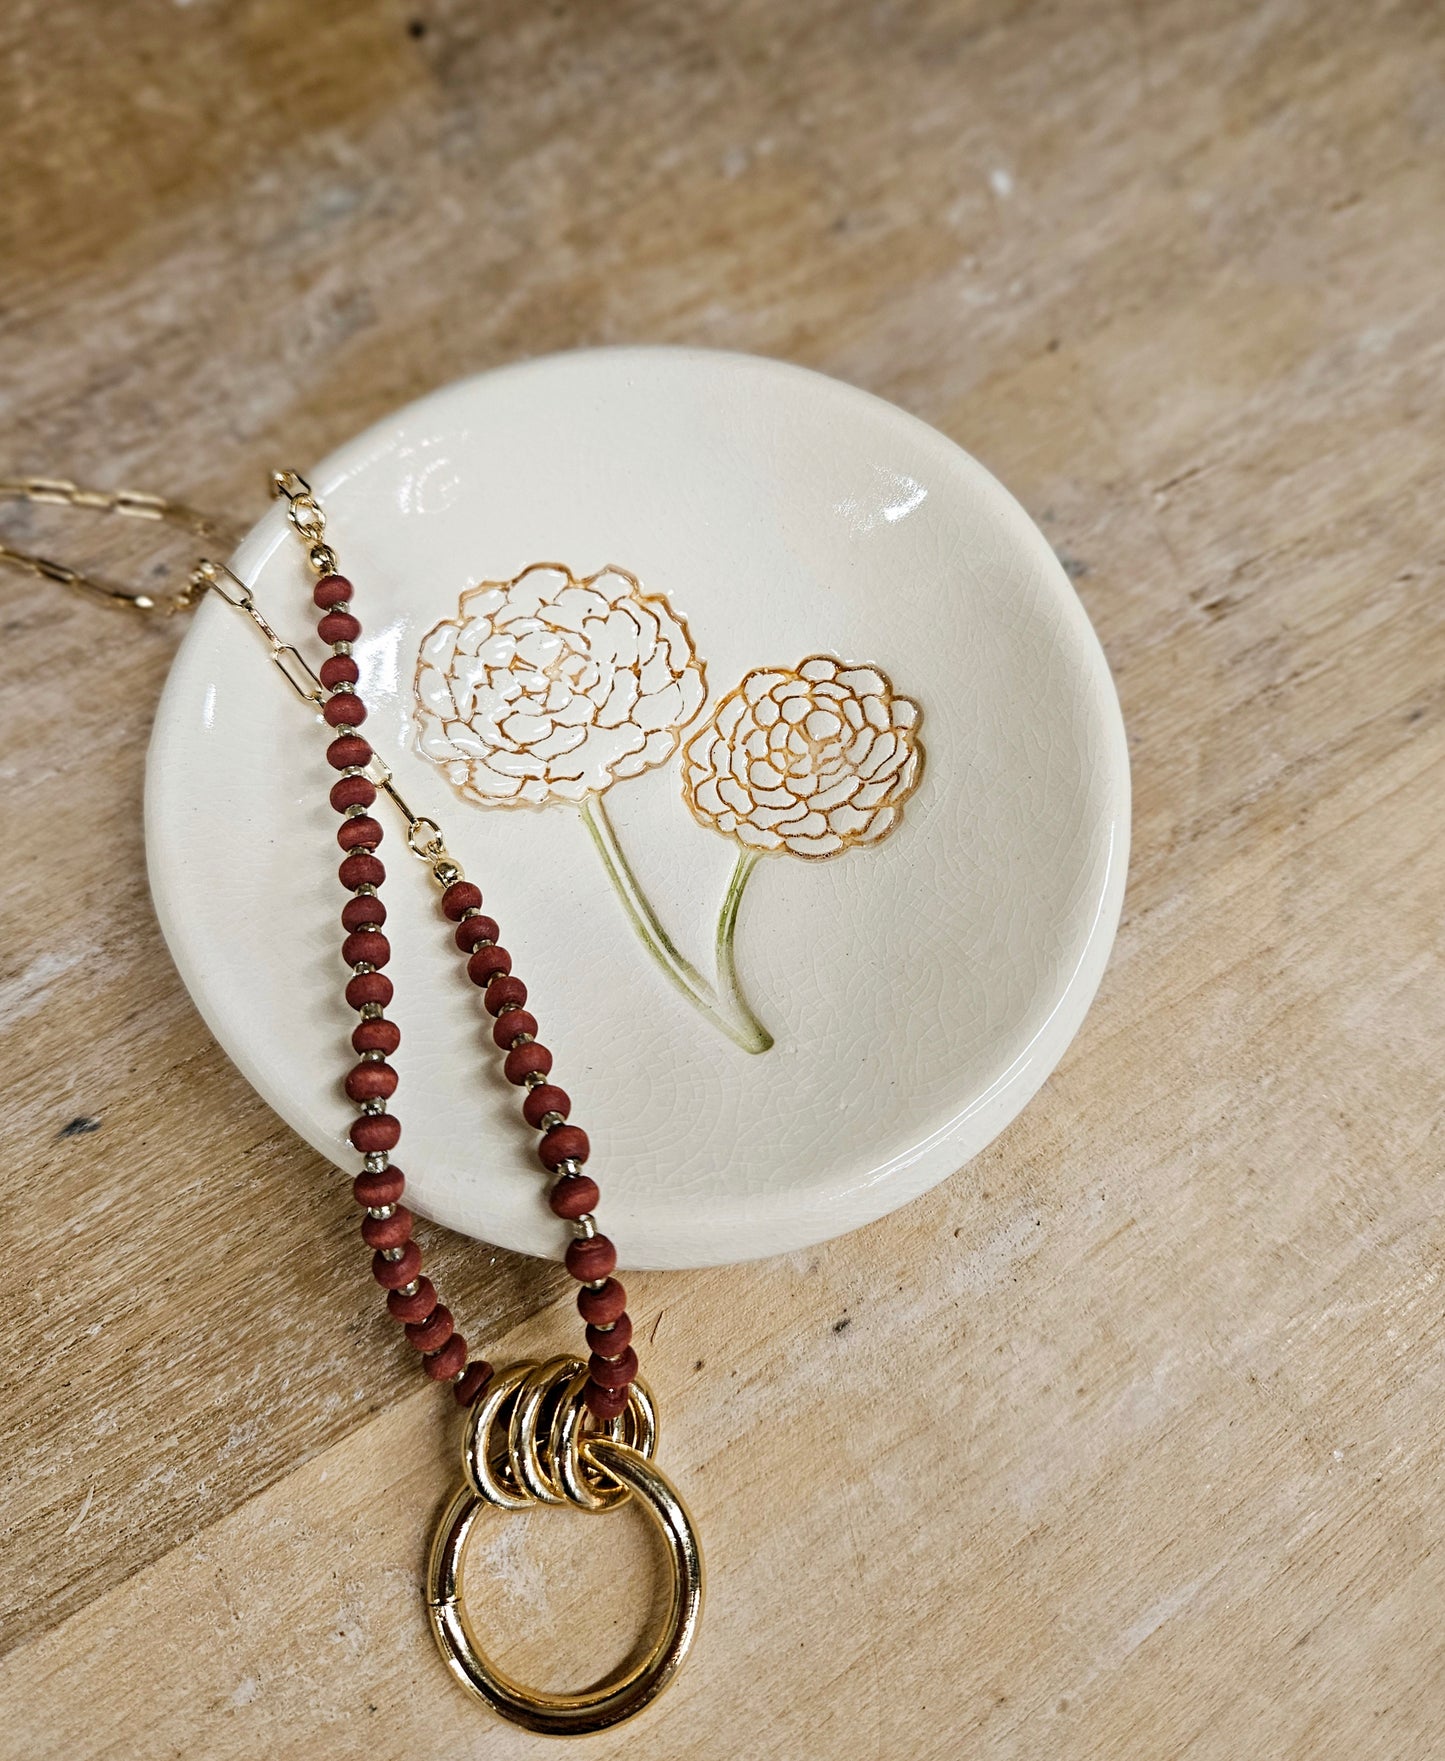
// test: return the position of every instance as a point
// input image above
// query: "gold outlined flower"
(809, 761)
(550, 688)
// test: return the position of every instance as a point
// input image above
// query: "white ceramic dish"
(919, 982)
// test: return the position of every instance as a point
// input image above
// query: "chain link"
(424, 836)
(304, 512)
(288, 660)
(130, 503)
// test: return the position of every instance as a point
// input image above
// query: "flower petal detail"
(807, 761)
(549, 687)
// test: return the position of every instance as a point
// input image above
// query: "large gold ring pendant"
(524, 1445)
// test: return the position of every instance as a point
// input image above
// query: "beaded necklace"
(566, 1431)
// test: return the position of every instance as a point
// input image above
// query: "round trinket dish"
(778, 742)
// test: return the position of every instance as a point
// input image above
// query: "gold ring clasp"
(523, 1445)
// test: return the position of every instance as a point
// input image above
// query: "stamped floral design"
(810, 761)
(552, 688)
(549, 688)
(803, 761)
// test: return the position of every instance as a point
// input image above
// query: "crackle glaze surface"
(916, 988)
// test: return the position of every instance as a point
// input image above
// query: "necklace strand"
(524, 1440)
(562, 1148)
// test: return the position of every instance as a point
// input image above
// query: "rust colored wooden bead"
(365, 911)
(548, 1098)
(563, 1143)
(338, 626)
(392, 1231)
(382, 1187)
(371, 1082)
(359, 834)
(472, 930)
(514, 1022)
(474, 1380)
(361, 869)
(343, 710)
(433, 1330)
(574, 1196)
(589, 1260)
(598, 1307)
(352, 792)
(347, 751)
(461, 896)
(613, 1340)
(369, 987)
(339, 669)
(442, 1365)
(392, 1274)
(331, 590)
(524, 1061)
(505, 990)
(604, 1403)
(613, 1373)
(366, 947)
(375, 1132)
(486, 963)
(379, 1035)
(432, 1333)
(415, 1307)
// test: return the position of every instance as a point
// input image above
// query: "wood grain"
(1125, 1441)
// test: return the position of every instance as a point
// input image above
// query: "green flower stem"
(760, 1040)
(747, 1032)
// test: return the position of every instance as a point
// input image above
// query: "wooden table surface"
(1125, 1441)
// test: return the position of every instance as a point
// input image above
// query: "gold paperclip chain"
(424, 836)
(135, 505)
(289, 661)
